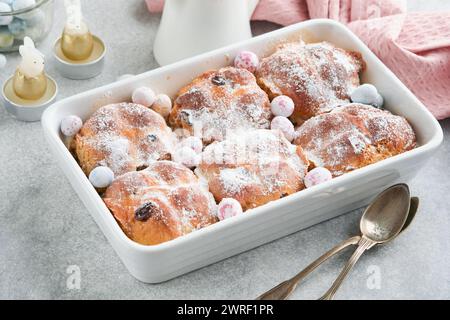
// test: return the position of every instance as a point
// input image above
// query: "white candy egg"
(247, 60)
(284, 125)
(317, 176)
(101, 177)
(162, 105)
(5, 20)
(22, 4)
(187, 157)
(2, 61)
(282, 106)
(144, 96)
(367, 94)
(228, 208)
(70, 125)
(195, 143)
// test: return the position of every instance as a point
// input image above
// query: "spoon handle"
(363, 245)
(284, 289)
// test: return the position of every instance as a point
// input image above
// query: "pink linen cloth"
(415, 46)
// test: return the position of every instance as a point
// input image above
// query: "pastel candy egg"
(285, 126)
(18, 28)
(247, 60)
(70, 125)
(187, 157)
(144, 96)
(5, 20)
(162, 105)
(2, 61)
(379, 101)
(228, 208)
(282, 106)
(22, 4)
(195, 143)
(101, 177)
(6, 38)
(317, 176)
(367, 94)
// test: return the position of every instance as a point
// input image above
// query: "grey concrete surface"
(44, 227)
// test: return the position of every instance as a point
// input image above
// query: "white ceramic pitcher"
(190, 27)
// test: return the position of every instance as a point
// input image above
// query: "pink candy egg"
(284, 125)
(228, 208)
(247, 60)
(187, 157)
(317, 176)
(162, 105)
(70, 125)
(282, 106)
(144, 96)
(195, 143)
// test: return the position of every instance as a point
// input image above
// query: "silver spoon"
(285, 289)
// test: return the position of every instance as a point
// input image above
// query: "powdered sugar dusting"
(253, 164)
(218, 101)
(353, 136)
(124, 137)
(317, 76)
(179, 201)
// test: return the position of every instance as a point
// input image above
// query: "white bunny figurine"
(74, 24)
(32, 63)
(30, 81)
(77, 42)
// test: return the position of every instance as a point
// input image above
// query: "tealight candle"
(77, 42)
(30, 90)
(30, 81)
(78, 53)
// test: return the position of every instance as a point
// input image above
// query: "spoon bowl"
(385, 217)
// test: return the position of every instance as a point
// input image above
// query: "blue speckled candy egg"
(367, 94)
(101, 177)
(4, 7)
(6, 38)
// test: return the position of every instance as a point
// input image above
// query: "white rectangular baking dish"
(158, 263)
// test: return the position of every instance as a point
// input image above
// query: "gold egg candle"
(78, 53)
(28, 92)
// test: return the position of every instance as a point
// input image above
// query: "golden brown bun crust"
(253, 167)
(216, 101)
(353, 136)
(317, 76)
(160, 203)
(125, 137)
